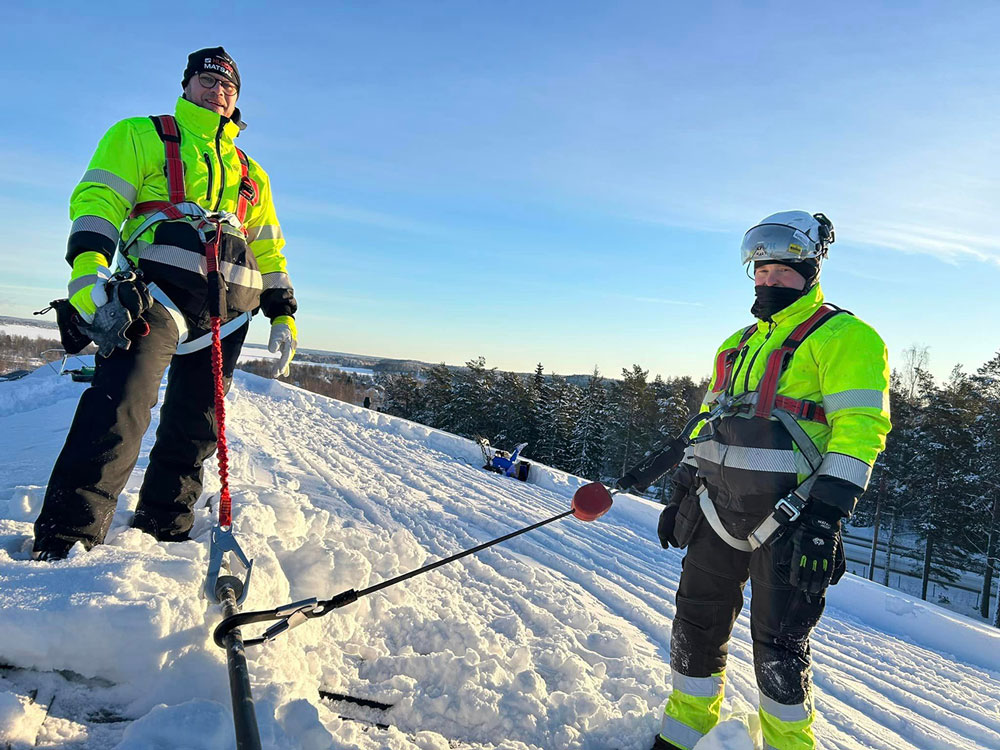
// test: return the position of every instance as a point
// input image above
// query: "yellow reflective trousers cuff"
(791, 734)
(686, 717)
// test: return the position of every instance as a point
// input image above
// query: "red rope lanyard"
(215, 292)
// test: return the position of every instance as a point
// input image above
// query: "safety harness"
(766, 403)
(178, 207)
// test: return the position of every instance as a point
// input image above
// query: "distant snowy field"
(557, 639)
(29, 331)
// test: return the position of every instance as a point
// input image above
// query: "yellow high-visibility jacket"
(843, 365)
(128, 169)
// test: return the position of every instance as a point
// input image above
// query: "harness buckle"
(792, 508)
(249, 191)
(807, 409)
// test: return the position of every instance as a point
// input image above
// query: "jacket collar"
(801, 308)
(204, 122)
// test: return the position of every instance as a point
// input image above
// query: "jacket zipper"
(222, 167)
(736, 371)
(746, 377)
(208, 193)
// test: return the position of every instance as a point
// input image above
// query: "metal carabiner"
(288, 616)
(223, 541)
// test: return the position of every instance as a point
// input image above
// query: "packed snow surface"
(556, 639)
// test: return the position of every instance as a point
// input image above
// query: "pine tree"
(467, 412)
(987, 452)
(635, 422)
(437, 396)
(945, 515)
(535, 415)
(403, 396)
(589, 432)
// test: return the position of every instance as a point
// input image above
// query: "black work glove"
(626, 483)
(132, 293)
(68, 319)
(681, 483)
(665, 527)
(654, 466)
(814, 547)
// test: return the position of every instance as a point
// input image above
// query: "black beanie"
(212, 60)
(808, 268)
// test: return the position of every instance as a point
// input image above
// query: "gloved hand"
(681, 482)
(132, 293)
(653, 466)
(284, 337)
(665, 527)
(625, 483)
(814, 547)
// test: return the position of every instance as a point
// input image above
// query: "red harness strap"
(166, 128)
(777, 362)
(248, 189)
(727, 359)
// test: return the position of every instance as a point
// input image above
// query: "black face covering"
(771, 299)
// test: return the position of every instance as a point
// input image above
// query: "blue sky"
(564, 182)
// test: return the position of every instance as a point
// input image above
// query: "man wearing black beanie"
(212, 60)
(156, 190)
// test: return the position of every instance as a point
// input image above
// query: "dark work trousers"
(710, 597)
(104, 439)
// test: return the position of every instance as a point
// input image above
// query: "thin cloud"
(297, 206)
(942, 243)
(656, 300)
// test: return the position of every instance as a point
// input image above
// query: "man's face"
(777, 274)
(209, 90)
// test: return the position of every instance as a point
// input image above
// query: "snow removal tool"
(590, 502)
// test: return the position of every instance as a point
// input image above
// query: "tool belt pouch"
(73, 340)
(689, 516)
(176, 263)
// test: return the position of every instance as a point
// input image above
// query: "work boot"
(661, 744)
(162, 532)
(50, 553)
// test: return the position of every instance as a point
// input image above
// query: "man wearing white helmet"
(796, 413)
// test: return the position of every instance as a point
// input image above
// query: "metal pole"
(228, 591)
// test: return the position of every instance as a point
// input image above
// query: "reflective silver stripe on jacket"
(784, 712)
(178, 257)
(82, 282)
(856, 398)
(678, 733)
(849, 468)
(97, 225)
(699, 687)
(750, 459)
(264, 232)
(277, 280)
(109, 179)
(689, 457)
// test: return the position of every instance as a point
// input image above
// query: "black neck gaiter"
(772, 299)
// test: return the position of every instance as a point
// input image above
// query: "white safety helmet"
(789, 236)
